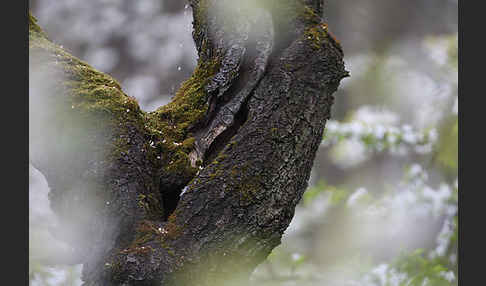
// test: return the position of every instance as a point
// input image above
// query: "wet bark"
(200, 191)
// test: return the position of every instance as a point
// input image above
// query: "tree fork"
(201, 190)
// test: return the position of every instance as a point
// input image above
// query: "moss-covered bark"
(236, 145)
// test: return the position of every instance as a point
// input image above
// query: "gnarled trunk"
(201, 190)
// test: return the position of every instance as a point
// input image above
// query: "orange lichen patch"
(146, 231)
(172, 230)
(320, 34)
(146, 226)
(325, 27)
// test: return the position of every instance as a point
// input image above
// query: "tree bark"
(201, 190)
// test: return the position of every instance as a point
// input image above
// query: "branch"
(236, 143)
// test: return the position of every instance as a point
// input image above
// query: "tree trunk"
(201, 190)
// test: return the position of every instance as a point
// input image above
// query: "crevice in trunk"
(224, 138)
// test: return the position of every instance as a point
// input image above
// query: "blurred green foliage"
(371, 217)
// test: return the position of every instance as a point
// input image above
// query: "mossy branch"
(142, 203)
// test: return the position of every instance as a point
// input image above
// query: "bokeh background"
(381, 208)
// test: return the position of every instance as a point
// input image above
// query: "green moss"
(317, 35)
(34, 30)
(151, 205)
(289, 12)
(169, 250)
(188, 144)
(307, 15)
(274, 132)
(99, 97)
(216, 174)
(146, 231)
(248, 189)
(201, 14)
(200, 26)
(170, 125)
(189, 104)
(180, 165)
(221, 156)
(95, 98)
(138, 250)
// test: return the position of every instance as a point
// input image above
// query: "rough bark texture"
(200, 191)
